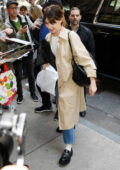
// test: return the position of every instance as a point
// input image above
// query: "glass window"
(110, 12)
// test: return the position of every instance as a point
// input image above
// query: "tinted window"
(110, 12)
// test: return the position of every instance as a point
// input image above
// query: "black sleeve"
(44, 54)
(91, 44)
(40, 56)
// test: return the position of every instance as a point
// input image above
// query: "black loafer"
(66, 157)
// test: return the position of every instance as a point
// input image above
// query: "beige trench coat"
(71, 97)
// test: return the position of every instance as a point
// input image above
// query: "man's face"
(23, 11)
(75, 17)
(12, 10)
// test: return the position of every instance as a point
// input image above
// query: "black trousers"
(28, 62)
(45, 98)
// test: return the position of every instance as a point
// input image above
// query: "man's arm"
(8, 25)
(8, 32)
(32, 25)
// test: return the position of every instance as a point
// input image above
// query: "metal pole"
(98, 10)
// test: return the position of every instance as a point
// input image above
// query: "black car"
(103, 18)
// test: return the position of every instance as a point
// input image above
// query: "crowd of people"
(45, 25)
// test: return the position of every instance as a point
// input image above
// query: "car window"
(110, 12)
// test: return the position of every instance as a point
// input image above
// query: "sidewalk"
(44, 146)
(91, 152)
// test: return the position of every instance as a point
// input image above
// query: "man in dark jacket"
(84, 33)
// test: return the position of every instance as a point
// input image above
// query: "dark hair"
(23, 7)
(74, 8)
(11, 3)
(53, 13)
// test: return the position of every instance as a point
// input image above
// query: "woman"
(71, 97)
(35, 13)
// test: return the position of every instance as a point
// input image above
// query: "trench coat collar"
(63, 34)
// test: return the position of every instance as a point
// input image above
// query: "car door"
(107, 36)
(106, 29)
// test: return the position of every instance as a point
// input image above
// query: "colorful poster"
(8, 87)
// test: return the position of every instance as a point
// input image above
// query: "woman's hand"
(44, 66)
(92, 87)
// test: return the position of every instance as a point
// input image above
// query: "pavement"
(97, 146)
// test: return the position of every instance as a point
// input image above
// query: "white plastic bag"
(46, 79)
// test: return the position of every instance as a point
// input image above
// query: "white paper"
(19, 41)
(46, 80)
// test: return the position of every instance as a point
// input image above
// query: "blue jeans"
(69, 136)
